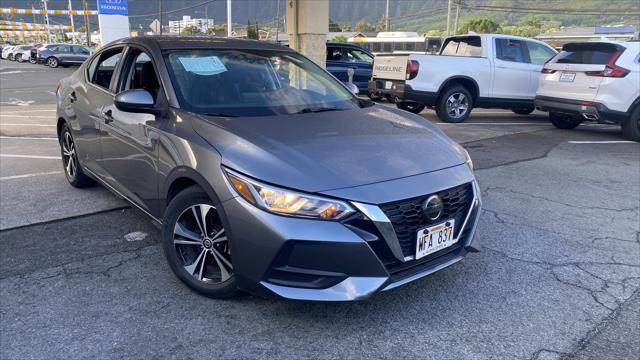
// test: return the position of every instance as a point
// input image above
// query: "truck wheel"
(454, 105)
(524, 111)
(631, 127)
(410, 106)
(564, 121)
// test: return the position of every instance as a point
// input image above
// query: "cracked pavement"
(558, 276)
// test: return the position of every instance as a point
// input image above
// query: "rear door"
(64, 54)
(512, 71)
(80, 54)
(335, 63)
(572, 73)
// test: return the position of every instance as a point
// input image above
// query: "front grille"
(406, 215)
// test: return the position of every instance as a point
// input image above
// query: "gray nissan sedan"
(266, 173)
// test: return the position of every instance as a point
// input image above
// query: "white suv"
(596, 81)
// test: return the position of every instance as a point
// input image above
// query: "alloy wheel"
(69, 158)
(52, 62)
(201, 244)
(457, 105)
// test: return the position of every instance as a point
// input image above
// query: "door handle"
(107, 116)
(72, 97)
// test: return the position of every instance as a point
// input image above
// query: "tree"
(479, 26)
(190, 30)
(334, 26)
(363, 26)
(252, 30)
(340, 39)
(533, 21)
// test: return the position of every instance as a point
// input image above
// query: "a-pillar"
(307, 26)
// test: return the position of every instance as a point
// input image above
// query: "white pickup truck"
(486, 71)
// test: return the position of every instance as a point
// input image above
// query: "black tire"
(454, 104)
(70, 164)
(186, 258)
(631, 127)
(564, 121)
(10, 57)
(524, 111)
(19, 58)
(410, 106)
(52, 62)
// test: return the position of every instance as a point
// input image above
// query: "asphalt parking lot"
(82, 275)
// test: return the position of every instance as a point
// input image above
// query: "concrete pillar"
(307, 26)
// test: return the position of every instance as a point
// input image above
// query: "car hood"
(330, 150)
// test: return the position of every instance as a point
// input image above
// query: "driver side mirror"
(353, 88)
(136, 101)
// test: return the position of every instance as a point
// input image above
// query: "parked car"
(276, 180)
(593, 81)
(342, 57)
(485, 71)
(33, 52)
(7, 52)
(55, 55)
(21, 53)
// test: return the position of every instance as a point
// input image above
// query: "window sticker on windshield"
(203, 65)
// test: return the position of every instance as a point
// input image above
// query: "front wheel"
(52, 62)
(631, 127)
(454, 105)
(564, 121)
(410, 106)
(72, 168)
(196, 246)
(19, 58)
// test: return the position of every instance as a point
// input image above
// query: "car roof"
(200, 42)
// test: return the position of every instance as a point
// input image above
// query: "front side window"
(358, 56)
(102, 68)
(141, 74)
(64, 49)
(253, 83)
(538, 53)
(510, 50)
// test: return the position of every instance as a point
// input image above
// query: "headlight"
(287, 202)
(463, 154)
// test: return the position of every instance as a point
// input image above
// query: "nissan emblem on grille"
(432, 208)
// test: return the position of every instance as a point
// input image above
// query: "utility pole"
(160, 15)
(455, 23)
(229, 26)
(386, 17)
(206, 17)
(448, 18)
(277, 21)
(73, 27)
(46, 17)
(87, 26)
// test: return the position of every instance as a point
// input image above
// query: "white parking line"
(26, 116)
(44, 125)
(603, 142)
(492, 124)
(28, 111)
(30, 175)
(30, 156)
(27, 138)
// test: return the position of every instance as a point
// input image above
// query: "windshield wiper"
(222, 115)
(317, 110)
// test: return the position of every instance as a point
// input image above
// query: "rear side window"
(334, 54)
(587, 53)
(102, 68)
(462, 46)
(510, 50)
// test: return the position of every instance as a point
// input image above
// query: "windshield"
(253, 83)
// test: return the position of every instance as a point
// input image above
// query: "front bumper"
(303, 259)
(583, 109)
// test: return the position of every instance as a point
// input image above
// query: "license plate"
(435, 238)
(388, 85)
(567, 77)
